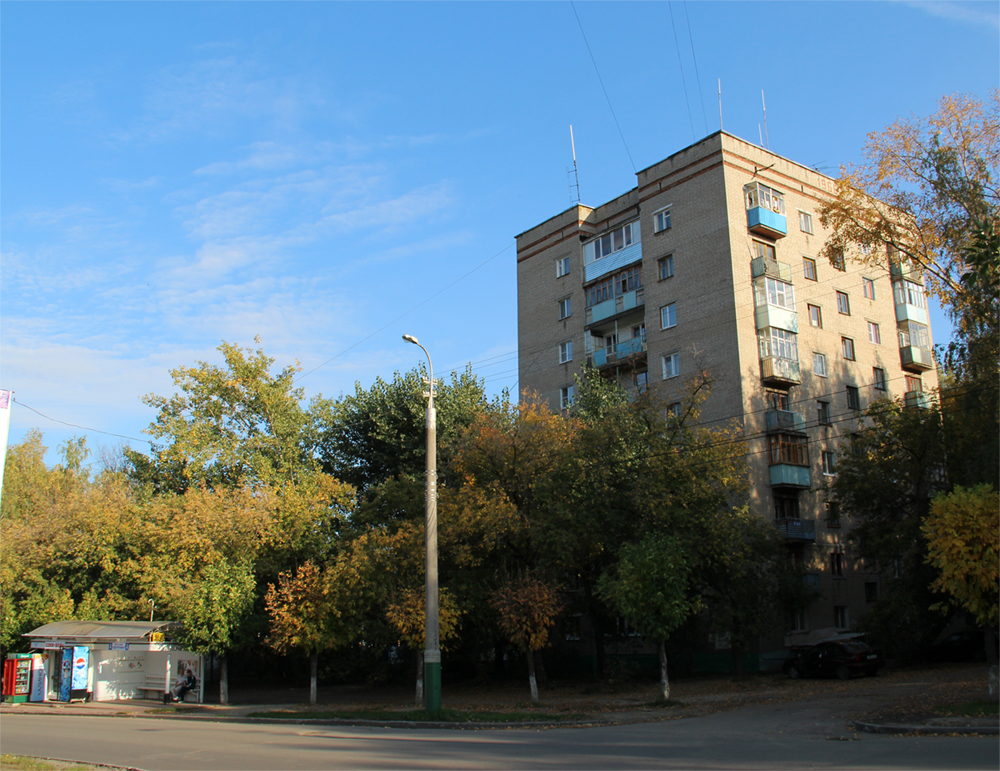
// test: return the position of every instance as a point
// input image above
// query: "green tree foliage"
(888, 471)
(961, 530)
(650, 588)
(230, 425)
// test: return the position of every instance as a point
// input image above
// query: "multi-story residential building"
(712, 261)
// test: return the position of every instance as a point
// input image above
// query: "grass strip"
(979, 708)
(22, 763)
(415, 715)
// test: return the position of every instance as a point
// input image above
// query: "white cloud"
(977, 13)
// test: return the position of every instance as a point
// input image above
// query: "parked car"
(969, 645)
(840, 658)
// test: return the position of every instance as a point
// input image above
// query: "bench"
(157, 686)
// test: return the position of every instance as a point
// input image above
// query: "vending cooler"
(17, 677)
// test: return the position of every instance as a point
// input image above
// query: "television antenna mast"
(574, 180)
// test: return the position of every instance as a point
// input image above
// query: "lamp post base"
(432, 687)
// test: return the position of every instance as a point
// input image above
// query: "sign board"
(118, 646)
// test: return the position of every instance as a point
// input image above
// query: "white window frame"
(668, 316)
(566, 397)
(805, 222)
(604, 245)
(829, 463)
(874, 333)
(566, 352)
(819, 365)
(671, 365)
(562, 267)
(565, 308)
(868, 287)
(661, 219)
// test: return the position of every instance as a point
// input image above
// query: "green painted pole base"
(432, 687)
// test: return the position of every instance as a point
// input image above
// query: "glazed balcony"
(916, 359)
(797, 529)
(628, 351)
(787, 475)
(620, 304)
(765, 210)
(917, 399)
(784, 421)
(778, 371)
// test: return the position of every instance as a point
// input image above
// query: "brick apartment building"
(712, 260)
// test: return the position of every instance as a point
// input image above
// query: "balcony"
(917, 399)
(763, 266)
(784, 421)
(765, 210)
(916, 359)
(797, 529)
(775, 370)
(775, 316)
(627, 351)
(786, 475)
(907, 270)
(621, 304)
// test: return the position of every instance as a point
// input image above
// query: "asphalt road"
(779, 736)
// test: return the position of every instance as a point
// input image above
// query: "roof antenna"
(574, 181)
(720, 104)
(767, 142)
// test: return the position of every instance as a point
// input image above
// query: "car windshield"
(855, 647)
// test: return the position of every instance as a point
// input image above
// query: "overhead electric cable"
(680, 63)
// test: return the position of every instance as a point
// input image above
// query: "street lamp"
(432, 641)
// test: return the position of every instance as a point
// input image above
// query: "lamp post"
(432, 641)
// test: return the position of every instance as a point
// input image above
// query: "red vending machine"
(17, 677)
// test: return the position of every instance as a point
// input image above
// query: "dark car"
(969, 645)
(836, 658)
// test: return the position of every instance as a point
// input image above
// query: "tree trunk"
(599, 652)
(420, 678)
(738, 659)
(313, 667)
(531, 676)
(664, 677)
(991, 660)
(543, 676)
(224, 681)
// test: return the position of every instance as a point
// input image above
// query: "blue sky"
(330, 176)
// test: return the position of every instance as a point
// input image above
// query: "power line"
(84, 428)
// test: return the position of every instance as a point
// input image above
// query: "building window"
(665, 267)
(562, 267)
(661, 220)
(611, 242)
(760, 249)
(829, 463)
(795, 620)
(912, 333)
(786, 507)
(565, 308)
(868, 287)
(913, 384)
(843, 303)
(809, 268)
(788, 449)
(832, 514)
(641, 381)
(671, 365)
(837, 259)
(874, 335)
(823, 410)
(819, 364)
(847, 347)
(565, 352)
(815, 316)
(674, 409)
(840, 617)
(668, 316)
(853, 398)
(805, 222)
(770, 291)
(871, 591)
(837, 564)
(878, 378)
(778, 343)
(566, 397)
(777, 400)
(909, 293)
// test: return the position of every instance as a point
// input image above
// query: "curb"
(925, 730)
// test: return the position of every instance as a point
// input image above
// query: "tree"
(528, 608)
(961, 532)
(312, 610)
(650, 588)
(888, 471)
(924, 186)
(230, 425)
(406, 614)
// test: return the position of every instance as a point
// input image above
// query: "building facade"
(712, 262)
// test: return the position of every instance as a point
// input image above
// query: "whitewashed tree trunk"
(664, 677)
(224, 681)
(313, 667)
(531, 677)
(993, 682)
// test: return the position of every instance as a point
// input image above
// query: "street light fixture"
(432, 641)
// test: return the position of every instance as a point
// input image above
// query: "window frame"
(843, 303)
(815, 316)
(805, 222)
(665, 267)
(853, 397)
(566, 397)
(565, 308)
(820, 358)
(562, 266)
(566, 352)
(847, 348)
(675, 359)
(879, 382)
(661, 214)
(828, 460)
(670, 309)
(809, 266)
(823, 413)
(833, 514)
(874, 333)
(868, 287)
